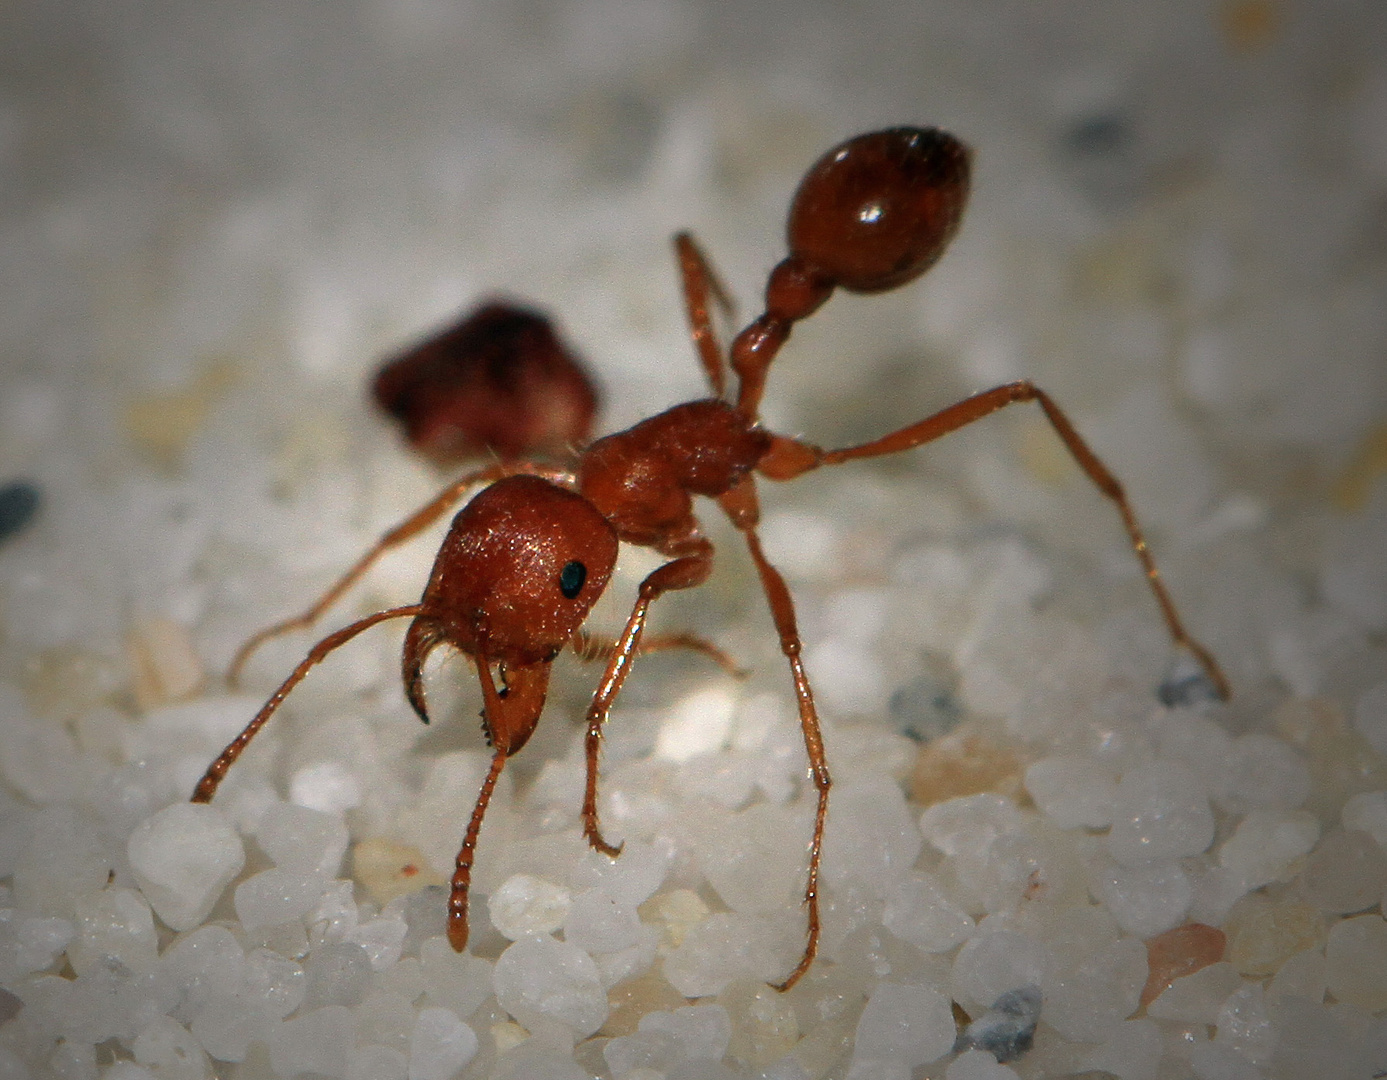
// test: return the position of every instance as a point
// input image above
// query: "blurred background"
(217, 219)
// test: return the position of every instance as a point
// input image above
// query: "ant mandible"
(527, 557)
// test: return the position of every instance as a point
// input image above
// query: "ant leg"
(462, 873)
(589, 648)
(699, 282)
(207, 786)
(685, 572)
(741, 506)
(416, 523)
(789, 458)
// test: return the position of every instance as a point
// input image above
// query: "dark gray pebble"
(19, 502)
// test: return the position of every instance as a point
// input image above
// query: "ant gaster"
(527, 557)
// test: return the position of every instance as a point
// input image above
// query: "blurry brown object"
(500, 381)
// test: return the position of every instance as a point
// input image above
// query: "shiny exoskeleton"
(528, 556)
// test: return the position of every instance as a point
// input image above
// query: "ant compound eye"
(571, 579)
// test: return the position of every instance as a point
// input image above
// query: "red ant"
(527, 557)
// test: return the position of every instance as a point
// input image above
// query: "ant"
(526, 558)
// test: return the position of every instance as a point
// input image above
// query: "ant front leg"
(692, 568)
(207, 786)
(789, 458)
(741, 506)
(411, 527)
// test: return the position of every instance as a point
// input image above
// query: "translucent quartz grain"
(904, 1026)
(963, 763)
(1301, 976)
(302, 839)
(664, 1041)
(1178, 953)
(458, 981)
(1245, 1024)
(169, 1051)
(385, 1017)
(631, 879)
(1216, 1061)
(970, 822)
(1133, 1052)
(1145, 900)
(1356, 961)
(1266, 844)
(1264, 933)
(633, 998)
(1088, 997)
(336, 973)
(538, 979)
(1340, 761)
(113, 926)
(1073, 790)
(918, 911)
(1263, 771)
(319, 1041)
(995, 962)
(598, 923)
(276, 896)
(1196, 998)
(1161, 811)
(874, 840)
(728, 946)
(525, 904)
(1370, 716)
(440, 1045)
(1367, 812)
(183, 857)
(60, 858)
(978, 1065)
(1346, 873)
(764, 1026)
(375, 1062)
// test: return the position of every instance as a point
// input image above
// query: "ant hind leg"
(700, 282)
(789, 458)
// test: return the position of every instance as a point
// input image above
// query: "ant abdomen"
(879, 209)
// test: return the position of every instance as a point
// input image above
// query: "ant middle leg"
(740, 504)
(589, 648)
(789, 458)
(411, 527)
(692, 567)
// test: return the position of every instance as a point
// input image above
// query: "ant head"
(522, 565)
(880, 209)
